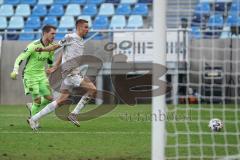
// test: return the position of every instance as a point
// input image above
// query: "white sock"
(81, 104)
(46, 110)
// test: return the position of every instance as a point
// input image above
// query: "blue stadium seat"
(6, 10)
(67, 22)
(3, 23)
(60, 35)
(45, 2)
(12, 35)
(29, 2)
(112, 1)
(78, 1)
(198, 21)
(215, 25)
(56, 10)
(33, 22)
(88, 18)
(140, 9)
(215, 21)
(195, 33)
(97, 2)
(26, 35)
(203, 9)
(63, 2)
(235, 8)
(23, 10)
(39, 10)
(13, 2)
(232, 20)
(16, 22)
(226, 34)
(220, 7)
(135, 21)
(145, 1)
(106, 9)
(52, 20)
(129, 1)
(123, 9)
(90, 9)
(118, 22)
(100, 22)
(73, 10)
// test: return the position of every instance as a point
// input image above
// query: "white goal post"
(158, 103)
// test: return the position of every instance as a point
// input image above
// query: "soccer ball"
(215, 124)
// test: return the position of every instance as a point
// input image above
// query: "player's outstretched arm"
(24, 55)
(48, 49)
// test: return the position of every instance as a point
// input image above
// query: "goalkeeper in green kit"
(35, 79)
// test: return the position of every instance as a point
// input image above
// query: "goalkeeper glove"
(14, 74)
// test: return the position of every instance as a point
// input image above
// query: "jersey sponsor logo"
(42, 58)
(25, 50)
(61, 42)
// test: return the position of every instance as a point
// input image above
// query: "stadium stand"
(204, 15)
(31, 15)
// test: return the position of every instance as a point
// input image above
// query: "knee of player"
(93, 91)
(61, 101)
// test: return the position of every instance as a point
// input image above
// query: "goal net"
(205, 83)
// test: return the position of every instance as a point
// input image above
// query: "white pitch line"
(49, 132)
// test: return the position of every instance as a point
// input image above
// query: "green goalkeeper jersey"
(35, 61)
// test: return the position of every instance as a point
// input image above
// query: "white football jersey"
(73, 47)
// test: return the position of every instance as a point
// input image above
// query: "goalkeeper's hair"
(47, 28)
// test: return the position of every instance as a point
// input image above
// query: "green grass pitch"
(123, 134)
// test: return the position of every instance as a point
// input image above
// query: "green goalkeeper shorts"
(37, 87)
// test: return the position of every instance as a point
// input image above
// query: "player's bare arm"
(56, 65)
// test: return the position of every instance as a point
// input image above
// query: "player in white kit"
(73, 46)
